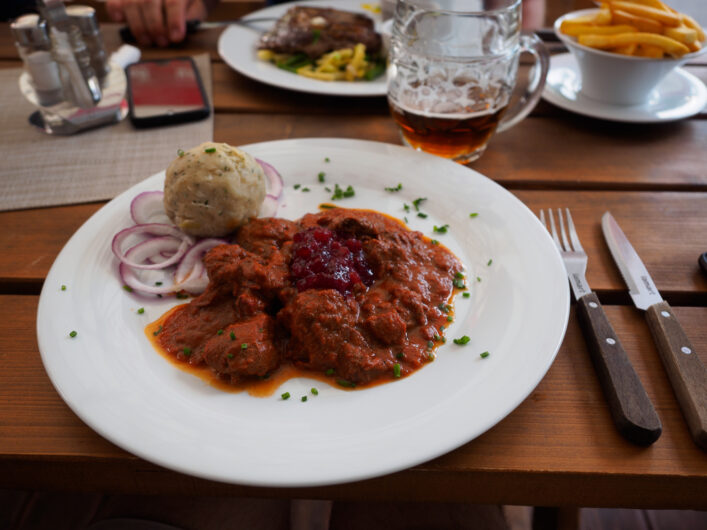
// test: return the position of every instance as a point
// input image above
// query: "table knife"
(687, 374)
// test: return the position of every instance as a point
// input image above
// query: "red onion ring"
(275, 184)
(155, 229)
(148, 207)
(192, 264)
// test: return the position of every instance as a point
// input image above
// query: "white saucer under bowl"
(678, 96)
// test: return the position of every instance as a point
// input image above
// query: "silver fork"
(630, 407)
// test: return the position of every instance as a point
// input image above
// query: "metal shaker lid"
(84, 16)
(30, 30)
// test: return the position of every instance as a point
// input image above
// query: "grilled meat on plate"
(316, 31)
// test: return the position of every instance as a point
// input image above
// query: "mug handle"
(529, 42)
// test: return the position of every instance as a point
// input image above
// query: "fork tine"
(542, 219)
(561, 222)
(573, 233)
(553, 230)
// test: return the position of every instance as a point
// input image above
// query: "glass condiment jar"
(85, 18)
(35, 49)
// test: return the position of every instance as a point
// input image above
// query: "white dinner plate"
(679, 95)
(114, 380)
(237, 46)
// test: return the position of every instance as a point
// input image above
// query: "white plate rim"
(619, 113)
(98, 408)
(246, 63)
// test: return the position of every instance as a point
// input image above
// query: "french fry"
(605, 42)
(627, 49)
(695, 46)
(681, 34)
(648, 50)
(642, 23)
(692, 24)
(657, 4)
(582, 29)
(666, 18)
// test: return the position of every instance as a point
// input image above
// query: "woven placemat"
(42, 170)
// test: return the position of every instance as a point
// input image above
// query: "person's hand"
(157, 22)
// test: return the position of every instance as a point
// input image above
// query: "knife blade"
(687, 374)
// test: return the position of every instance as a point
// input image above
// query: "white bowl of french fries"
(625, 48)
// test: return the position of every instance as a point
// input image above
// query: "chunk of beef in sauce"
(316, 30)
(325, 335)
(244, 350)
(358, 329)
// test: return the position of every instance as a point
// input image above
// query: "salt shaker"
(34, 45)
(85, 18)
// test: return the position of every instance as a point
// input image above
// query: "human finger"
(176, 19)
(115, 10)
(136, 23)
(155, 22)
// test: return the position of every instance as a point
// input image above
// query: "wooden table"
(559, 447)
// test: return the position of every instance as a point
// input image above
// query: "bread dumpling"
(212, 189)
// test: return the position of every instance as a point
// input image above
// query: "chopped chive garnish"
(73, 334)
(489, 262)
(141, 311)
(394, 189)
(305, 189)
(466, 294)
(396, 370)
(478, 278)
(406, 220)
(459, 275)
(434, 241)
(472, 215)
(326, 206)
(180, 152)
(128, 288)
(63, 287)
(484, 354)
(286, 395)
(345, 383)
(158, 284)
(430, 344)
(437, 337)
(327, 189)
(182, 296)
(449, 318)
(406, 207)
(297, 186)
(186, 351)
(399, 355)
(304, 398)
(314, 391)
(158, 331)
(459, 284)
(462, 340)
(430, 356)
(327, 159)
(340, 193)
(329, 371)
(422, 215)
(219, 332)
(321, 176)
(416, 203)
(445, 308)
(244, 346)
(232, 335)
(210, 150)
(230, 356)
(440, 229)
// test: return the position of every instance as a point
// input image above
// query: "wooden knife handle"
(631, 408)
(687, 374)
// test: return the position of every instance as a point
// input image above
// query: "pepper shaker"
(85, 18)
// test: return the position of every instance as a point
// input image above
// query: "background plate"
(115, 382)
(237, 47)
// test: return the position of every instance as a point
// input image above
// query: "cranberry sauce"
(322, 259)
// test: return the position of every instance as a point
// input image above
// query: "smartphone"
(165, 91)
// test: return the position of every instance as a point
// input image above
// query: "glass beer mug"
(452, 70)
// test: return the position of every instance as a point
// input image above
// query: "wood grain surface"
(559, 447)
